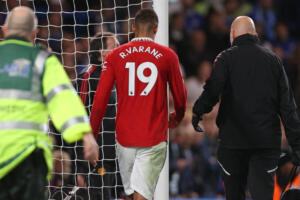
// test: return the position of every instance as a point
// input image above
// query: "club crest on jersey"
(19, 68)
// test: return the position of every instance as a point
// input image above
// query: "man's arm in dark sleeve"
(102, 95)
(213, 87)
(288, 111)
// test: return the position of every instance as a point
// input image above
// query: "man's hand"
(173, 123)
(196, 117)
(80, 181)
(195, 121)
(91, 148)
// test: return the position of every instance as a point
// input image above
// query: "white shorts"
(140, 168)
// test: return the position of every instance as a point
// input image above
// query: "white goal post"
(161, 7)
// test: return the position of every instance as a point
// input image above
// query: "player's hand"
(91, 148)
(195, 122)
(173, 123)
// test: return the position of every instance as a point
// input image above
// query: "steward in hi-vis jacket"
(33, 83)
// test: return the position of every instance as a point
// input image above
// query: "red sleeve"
(177, 88)
(102, 95)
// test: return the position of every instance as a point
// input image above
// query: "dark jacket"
(254, 91)
(86, 87)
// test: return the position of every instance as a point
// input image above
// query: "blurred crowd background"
(198, 31)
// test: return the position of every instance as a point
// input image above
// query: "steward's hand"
(196, 117)
(195, 122)
(91, 149)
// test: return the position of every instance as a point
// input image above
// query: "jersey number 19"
(151, 79)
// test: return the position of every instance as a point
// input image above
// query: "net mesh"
(66, 28)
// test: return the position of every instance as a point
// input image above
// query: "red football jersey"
(141, 70)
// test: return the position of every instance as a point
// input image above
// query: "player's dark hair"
(146, 20)
(98, 42)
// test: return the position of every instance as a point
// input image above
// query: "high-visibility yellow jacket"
(33, 84)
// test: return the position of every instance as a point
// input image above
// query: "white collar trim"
(142, 39)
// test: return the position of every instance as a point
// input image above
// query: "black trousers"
(101, 185)
(27, 181)
(255, 167)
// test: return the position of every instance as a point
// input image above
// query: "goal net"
(66, 28)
